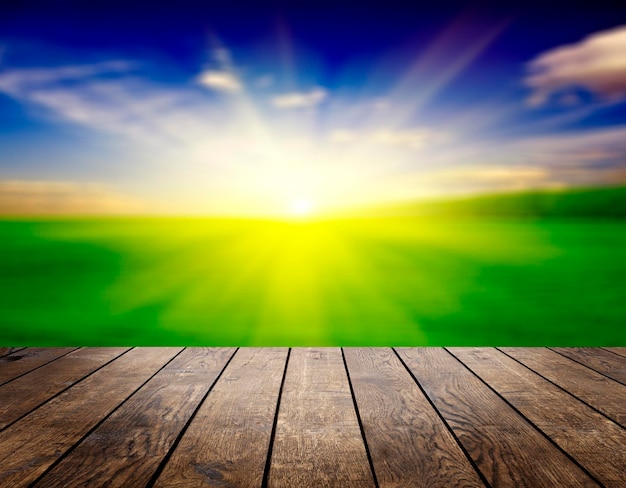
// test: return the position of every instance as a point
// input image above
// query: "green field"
(393, 281)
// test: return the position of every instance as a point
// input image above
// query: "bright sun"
(301, 208)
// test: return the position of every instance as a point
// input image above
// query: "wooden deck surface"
(312, 417)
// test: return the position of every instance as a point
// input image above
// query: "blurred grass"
(394, 281)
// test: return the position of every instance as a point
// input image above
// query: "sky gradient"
(262, 109)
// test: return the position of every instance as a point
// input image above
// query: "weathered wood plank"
(21, 362)
(594, 441)
(599, 360)
(30, 446)
(600, 392)
(227, 442)
(504, 446)
(127, 448)
(409, 444)
(34, 388)
(5, 351)
(318, 440)
(621, 351)
(229, 448)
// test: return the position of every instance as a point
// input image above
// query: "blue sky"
(255, 108)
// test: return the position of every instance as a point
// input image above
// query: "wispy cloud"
(578, 158)
(125, 105)
(300, 99)
(411, 138)
(597, 63)
(19, 197)
(491, 177)
(598, 147)
(19, 81)
(235, 154)
(221, 75)
(223, 81)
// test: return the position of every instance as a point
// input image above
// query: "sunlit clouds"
(63, 198)
(299, 99)
(239, 138)
(597, 63)
(220, 80)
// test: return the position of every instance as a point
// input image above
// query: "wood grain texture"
(409, 444)
(5, 351)
(604, 362)
(127, 448)
(600, 392)
(34, 388)
(227, 442)
(620, 351)
(504, 446)
(318, 440)
(119, 424)
(23, 361)
(30, 446)
(594, 441)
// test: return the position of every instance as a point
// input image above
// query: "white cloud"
(597, 63)
(224, 81)
(209, 154)
(581, 158)
(16, 81)
(300, 99)
(128, 106)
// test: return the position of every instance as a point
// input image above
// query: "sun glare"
(301, 208)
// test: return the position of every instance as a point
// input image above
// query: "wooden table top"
(312, 417)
